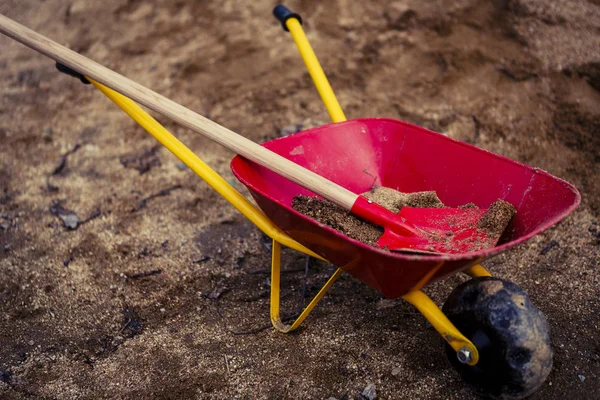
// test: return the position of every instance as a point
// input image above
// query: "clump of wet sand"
(494, 221)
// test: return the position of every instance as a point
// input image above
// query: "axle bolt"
(464, 355)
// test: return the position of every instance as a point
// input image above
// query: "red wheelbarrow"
(496, 339)
(410, 159)
(511, 335)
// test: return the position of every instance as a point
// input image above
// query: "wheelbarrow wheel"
(510, 333)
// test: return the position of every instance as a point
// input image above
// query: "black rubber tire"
(510, 333)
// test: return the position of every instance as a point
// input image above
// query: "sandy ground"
(517, 77)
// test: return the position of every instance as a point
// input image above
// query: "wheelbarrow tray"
(360, 153)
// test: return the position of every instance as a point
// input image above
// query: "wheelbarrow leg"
(231, 195)
(275, 293)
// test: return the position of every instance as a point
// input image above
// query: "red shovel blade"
(428, 230)
(439, 230)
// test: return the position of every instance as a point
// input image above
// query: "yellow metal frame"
(240, 202)
(416, 297)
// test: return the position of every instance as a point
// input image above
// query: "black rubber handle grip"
(282, 13)
(66, 70)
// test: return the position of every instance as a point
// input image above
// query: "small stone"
(78, 6)
(47, 135)
(181, 166)
(162, 310)
(90, 148)
(383, 304)
(289, 129)
(31, 343)
(369, 392)
(4, 226)
(581, 378)
(215, 293)
(71, 221)
(396, 371)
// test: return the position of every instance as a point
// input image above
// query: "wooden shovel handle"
(231, 140)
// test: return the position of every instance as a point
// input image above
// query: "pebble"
(181, 166)
(396, 371)
(69, 218)
(78, 6)
(71, 221)
(289, 129)
(581, 378)
(31, 343)
(90, 148)
(383, 304)
(47, 135)
(369, 392)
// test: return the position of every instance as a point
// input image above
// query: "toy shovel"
(431, 230)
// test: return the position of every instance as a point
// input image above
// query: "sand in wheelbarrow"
(494, 221)
(337, 218)
(497, 217)
(394, 200)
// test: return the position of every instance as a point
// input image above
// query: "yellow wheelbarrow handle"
(201, 169)
(292, 22)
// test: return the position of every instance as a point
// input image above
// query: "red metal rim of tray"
(347, 140)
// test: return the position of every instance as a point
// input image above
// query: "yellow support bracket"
(275, 293)
(442, 324)
(477, 271)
